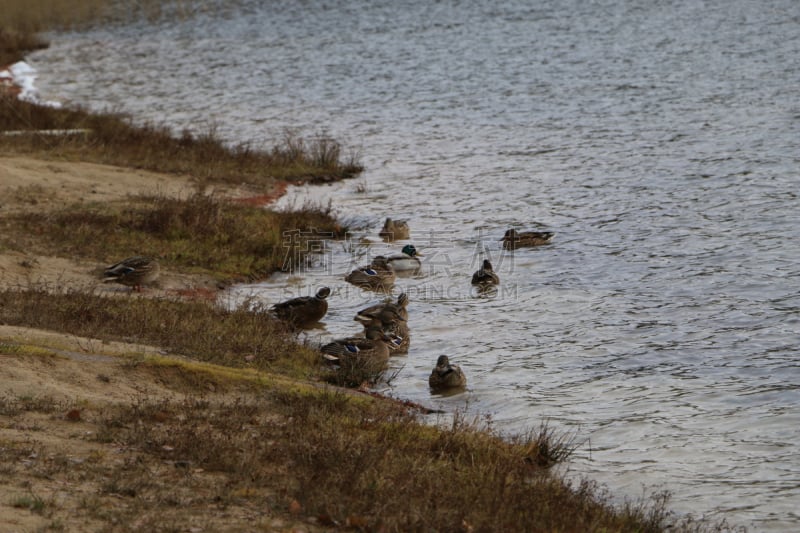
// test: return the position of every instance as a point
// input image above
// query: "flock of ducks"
(385, 325)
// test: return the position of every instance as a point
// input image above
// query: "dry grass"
(113, 139)
(233, 338)
(197, 234)
(263, 443)
(343, 460)
(322, 458)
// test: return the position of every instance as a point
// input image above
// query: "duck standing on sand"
(514, 239)
(446, 376)
(486, 276)
(134, 272)
(407, 260)
(303, 310)
(394, 230)
(378, 276)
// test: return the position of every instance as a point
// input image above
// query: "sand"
(84, 376)
(35, 185)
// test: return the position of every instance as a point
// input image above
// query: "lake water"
(658, 140)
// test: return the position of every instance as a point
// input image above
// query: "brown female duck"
(514, 239)
(303, 310)
(394, 230)
(486, 276)
(367, 314)
(446, 376)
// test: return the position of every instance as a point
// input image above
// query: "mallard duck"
(486, 275)
(446, 376)
(391, 322)
(378, 276)
(406, 260)
(514, 239)
(134, 272)
(400, 334)
(371, 351)
(303, 310)
(394, 230)
(368, 314)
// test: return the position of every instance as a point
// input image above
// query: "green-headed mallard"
(394, 230)
(366, 315)
(486, 275)
(303, 310)
(407, 260)
(134, 272)
(446, 376)
(378, 276)
(514, 239)
(371, 351)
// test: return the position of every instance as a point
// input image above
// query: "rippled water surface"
(659, 140)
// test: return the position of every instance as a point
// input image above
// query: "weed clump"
(198, 234)
(238, 338)
(112, 138)
(372, 465)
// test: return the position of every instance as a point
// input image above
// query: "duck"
(394, 230)
(446, 376)
(367, 314)
(377, 276)
(401, 335)
(133, 272)
(303, 310)
(407, 260)
(486, 275)
(391, 322)
(514, 239)
(371, 351)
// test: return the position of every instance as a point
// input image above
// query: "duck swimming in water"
(394, 230)
(486, 276)
(377, 276)
(407, 260)
(446, 376)
(514, 239)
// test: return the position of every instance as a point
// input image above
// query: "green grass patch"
(33, 503)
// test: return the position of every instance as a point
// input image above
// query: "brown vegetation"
(113, 139)
(143, 413)
(165, 444)
(197, 234)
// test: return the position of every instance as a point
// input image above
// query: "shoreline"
(51, 179)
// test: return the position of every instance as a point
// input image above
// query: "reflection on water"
(657, 142)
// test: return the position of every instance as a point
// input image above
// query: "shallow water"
(658, 142)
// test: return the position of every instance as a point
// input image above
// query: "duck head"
(411, 251)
